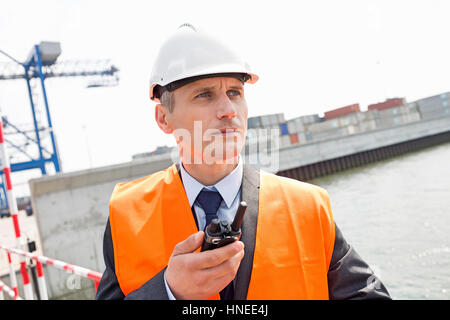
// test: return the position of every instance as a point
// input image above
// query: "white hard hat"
(189, 55)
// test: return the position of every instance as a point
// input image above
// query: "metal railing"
(69, 268)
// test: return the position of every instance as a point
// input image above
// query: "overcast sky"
(311, 56)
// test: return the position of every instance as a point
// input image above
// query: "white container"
(347, 120)
(285, 141)
(367, 125)
(394, 112)
(302, 138)
(265, 121)
(324, 126)
(309, 119)
(330, 134)
(291, 126)
(254, 122)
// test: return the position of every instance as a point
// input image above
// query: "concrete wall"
(72, 209)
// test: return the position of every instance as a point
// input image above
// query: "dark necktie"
(210, 202)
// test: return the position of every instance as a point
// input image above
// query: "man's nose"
(225, 107)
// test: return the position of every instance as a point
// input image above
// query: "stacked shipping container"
(295, 130)
(260, 126)
(349, 119)
(341, 111)
(389, 103)
(435, 106)
(266, 121)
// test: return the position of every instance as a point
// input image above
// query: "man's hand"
(199, 275)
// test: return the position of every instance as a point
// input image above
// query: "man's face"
(209, 119)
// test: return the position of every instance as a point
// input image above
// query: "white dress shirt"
(230, 190)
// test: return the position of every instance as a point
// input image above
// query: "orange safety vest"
(294, 235)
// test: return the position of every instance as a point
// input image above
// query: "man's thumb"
(192, 243)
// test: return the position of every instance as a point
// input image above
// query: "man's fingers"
(192, 243)
(212, 258)
(226, 268)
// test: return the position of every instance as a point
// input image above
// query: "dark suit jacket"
(349, 277)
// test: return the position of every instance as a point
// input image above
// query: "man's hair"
(167, 100)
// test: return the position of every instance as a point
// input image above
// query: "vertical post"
(55, 155)
(96, 283)
(12, 276)
(14, 213)
(32, 269)
(36, 128)
(41, 281)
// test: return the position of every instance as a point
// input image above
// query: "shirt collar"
(228, 187)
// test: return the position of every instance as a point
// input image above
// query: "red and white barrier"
(12, 275)
(70, 268)
(9, 291)
(14, 212)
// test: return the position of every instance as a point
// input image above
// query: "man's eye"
(234, 93)
(202, 95)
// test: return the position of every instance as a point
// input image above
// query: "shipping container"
(254, 122)
(434, 99)
(434, 107)
(291, 126)
(341, 111)
(352, 129)
(295, 125)
(302, 139)
(284, 128)
(339, 122)
(436, 113)
(271, 120)
(265, 120)
(294, 138)
(412, 107)
(399, 120)
(394, 111)
(330, 134)
(349, 119)
(367, 125)
(389, 103)
(324, 126)
(285, 141)
(308, 119)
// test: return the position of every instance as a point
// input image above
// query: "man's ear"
(161, 113)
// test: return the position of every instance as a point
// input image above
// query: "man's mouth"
(228, 130)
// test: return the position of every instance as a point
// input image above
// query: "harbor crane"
(35, 146)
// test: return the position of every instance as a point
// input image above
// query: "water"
(396, 214)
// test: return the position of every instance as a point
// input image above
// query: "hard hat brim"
(253, 78)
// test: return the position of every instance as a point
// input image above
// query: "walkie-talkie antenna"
(239, 217)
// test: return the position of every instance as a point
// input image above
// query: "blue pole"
(36, 128)
(55, 156)
(3, 202)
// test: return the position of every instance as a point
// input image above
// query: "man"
(290, 246)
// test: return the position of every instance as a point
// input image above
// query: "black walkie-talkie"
(220, 233)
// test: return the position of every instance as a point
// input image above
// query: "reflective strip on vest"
(294, 235)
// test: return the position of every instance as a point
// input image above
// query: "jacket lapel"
(250, 194)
